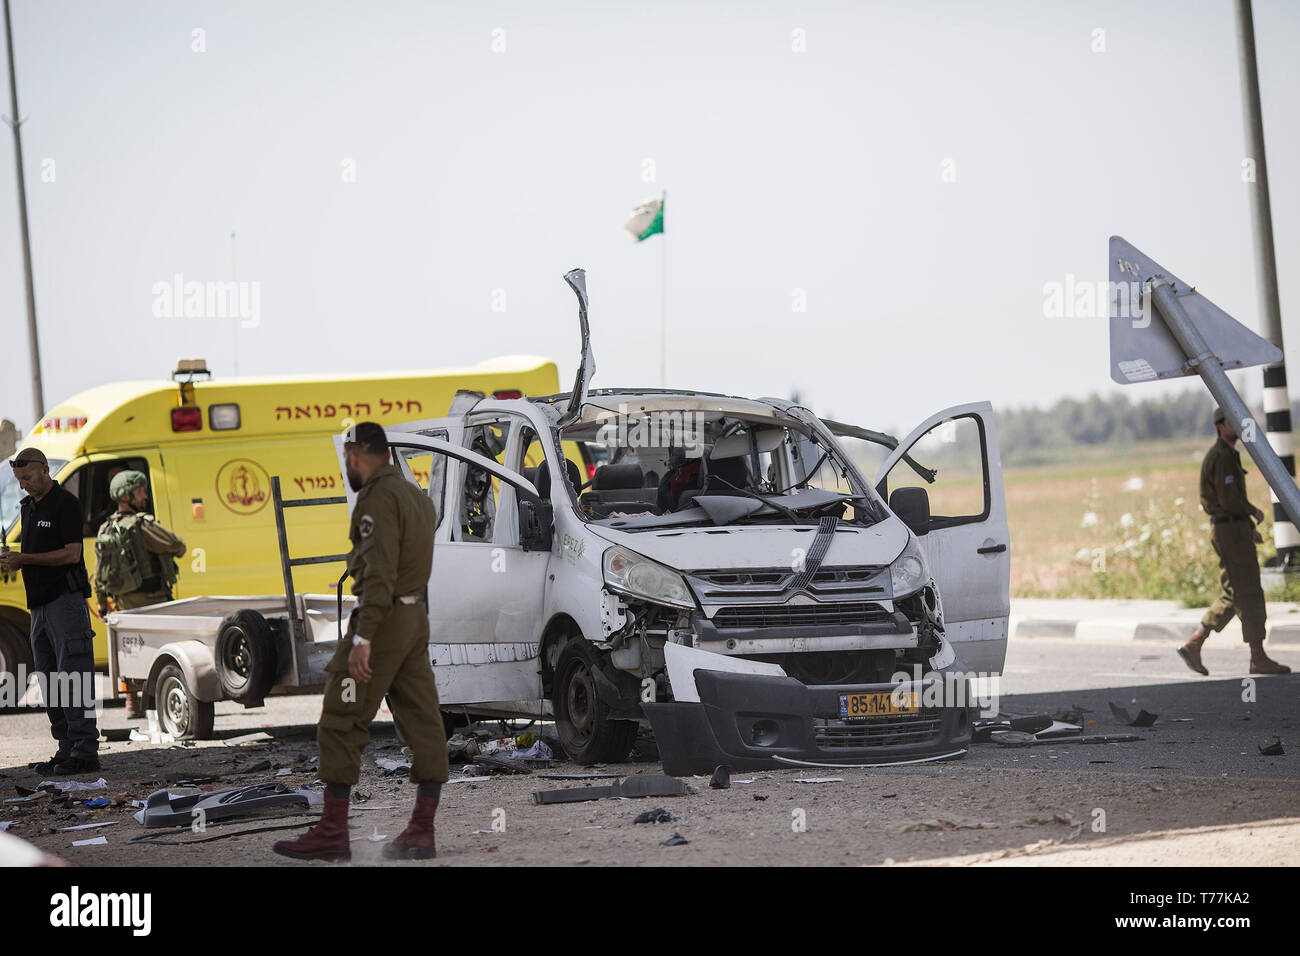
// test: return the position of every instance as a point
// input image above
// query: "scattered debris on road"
(657, 785)
(1272, 747)
(657, 815)
(165, 808)
(1143, 719)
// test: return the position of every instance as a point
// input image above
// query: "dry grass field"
(1117, 522)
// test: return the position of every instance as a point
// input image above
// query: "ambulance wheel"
(245, 656)
(15, 661)
(582, 720)
(180, 713)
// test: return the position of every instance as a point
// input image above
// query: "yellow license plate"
(862, 706)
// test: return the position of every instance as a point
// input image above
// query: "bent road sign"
(1142, 350)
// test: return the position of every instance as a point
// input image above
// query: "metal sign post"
(1160, 327)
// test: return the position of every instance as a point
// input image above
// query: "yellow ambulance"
(209, 449)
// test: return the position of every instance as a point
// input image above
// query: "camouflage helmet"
(125, 482)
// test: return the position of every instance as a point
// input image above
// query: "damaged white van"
(723, 570)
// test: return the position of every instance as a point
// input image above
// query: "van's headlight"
(632, 574)
(908, 572)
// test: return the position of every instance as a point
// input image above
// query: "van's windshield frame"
(770, 497)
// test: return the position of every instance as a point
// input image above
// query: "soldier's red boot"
(1261, 663)
(416, 841)
(327, 840)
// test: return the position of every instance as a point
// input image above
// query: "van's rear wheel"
(245, 656)
(181, 713)
(589, 735)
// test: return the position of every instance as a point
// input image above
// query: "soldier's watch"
(359, 641)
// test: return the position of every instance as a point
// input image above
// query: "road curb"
(1159, 631)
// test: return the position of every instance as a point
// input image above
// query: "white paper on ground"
(88, 826)
(97, 841)
(258, 737)
(70, 786)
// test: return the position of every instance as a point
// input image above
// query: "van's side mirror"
(912, 505)
(536, 524)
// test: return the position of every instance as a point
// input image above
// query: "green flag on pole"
(647, 219)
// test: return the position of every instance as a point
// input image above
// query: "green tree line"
(1032, 433)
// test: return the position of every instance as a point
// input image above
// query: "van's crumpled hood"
(741, 546)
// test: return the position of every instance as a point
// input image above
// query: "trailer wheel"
(15, 653)
(182, 714)
(582, 719)
(245, 656)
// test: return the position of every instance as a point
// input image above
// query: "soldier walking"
(385, 652)
(1223, 498)
(134, 556)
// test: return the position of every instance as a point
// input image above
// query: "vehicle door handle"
(992, 549)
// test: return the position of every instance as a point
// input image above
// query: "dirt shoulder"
(981, 809)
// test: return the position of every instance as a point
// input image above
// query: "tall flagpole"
(663, 293)
(15, 121)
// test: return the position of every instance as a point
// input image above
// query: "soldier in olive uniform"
(134, 556)
(385, 652)
(1223, 498)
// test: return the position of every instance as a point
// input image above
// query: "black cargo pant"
(64, 656)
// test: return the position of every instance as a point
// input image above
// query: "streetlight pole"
(1277, 402)
(15, 122)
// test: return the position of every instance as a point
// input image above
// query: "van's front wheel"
(582, 720)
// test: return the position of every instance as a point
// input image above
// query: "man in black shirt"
(54, 575)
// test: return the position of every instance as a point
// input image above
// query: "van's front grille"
(781, 577)
(800, 615)
(833, 735)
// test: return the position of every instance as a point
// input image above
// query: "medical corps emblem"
(243, 486)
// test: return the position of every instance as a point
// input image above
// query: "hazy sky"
(494, 145)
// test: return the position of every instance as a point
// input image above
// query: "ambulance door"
(89, 479)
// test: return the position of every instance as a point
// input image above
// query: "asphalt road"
(1194, 788)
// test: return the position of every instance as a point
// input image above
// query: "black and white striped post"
(1277, 428)
(1277, 402)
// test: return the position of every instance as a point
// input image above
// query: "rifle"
(4, 547)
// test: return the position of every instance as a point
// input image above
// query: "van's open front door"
(953, 455)
(488, 582)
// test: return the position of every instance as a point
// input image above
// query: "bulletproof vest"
(122, 562)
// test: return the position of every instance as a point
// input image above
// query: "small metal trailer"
(184, 656)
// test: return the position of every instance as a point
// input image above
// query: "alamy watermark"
(192, 299)
(947, 689)
(1087, 299)
(63, 689)
(658, 429)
